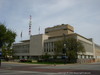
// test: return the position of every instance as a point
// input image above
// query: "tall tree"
(2, 34)
(7, 37)
(72, 48)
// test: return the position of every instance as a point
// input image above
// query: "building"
(40, 44)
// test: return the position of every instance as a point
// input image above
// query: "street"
(14, 68)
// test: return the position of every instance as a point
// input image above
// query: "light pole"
(0, 52)
(0, 58)
(64, 50)
(64, 53)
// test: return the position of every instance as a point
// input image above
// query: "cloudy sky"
(83, 15)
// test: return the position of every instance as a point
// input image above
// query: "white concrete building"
(39, 44)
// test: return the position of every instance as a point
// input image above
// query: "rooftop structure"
(59, 30)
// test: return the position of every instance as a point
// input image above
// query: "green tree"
(7, 53)
(2, 34)
(72, 48)
(58, 47)
(7, 37)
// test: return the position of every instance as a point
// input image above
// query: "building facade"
(40, 44)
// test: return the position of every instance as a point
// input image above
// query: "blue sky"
(83, 15)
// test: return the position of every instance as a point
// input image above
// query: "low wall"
(97, 60)
(85, 61)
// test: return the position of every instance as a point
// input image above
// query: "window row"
(48, 46)
(21, 47)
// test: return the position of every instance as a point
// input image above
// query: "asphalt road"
(13, 68)
(10, 72)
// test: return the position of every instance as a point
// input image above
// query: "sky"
(83, 15)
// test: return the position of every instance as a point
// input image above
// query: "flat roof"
(59, 27)
(25, 41)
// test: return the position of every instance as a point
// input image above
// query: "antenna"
(21, 35)
(39, 29)
(30, 24)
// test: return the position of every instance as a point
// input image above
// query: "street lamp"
(64, 53)
(0, 57)
(64, 50)
(1, 44)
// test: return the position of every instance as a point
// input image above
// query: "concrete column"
(87, 56)
(45, 47)
(53, 47)
(48, 46)
(79, 57)
(82, 56)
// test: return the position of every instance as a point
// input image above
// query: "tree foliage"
(2, 34)
(7, 37)
(7, 54)
(58, 47)
(72, 47)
